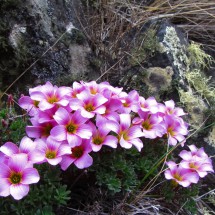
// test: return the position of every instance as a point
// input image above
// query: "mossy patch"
(195, 106)
(202, 85)
(158, 80)
(146, 46)
(198, 57)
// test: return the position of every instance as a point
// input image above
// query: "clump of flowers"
(195, 164)
(69, 123)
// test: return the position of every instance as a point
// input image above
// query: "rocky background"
(142, 45)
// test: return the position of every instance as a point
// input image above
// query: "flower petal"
(84, 131)
(67, 160)
(73, 140)
(125, 144)
(125, 121)
(85, 161)
(137, 143)
(185, 155)
(18, 162)
(27, 145)
(34, 131)
(44, 105)
(30, 176)
(4, 187)
(87, 114)
(59, 133)
(54, 161)
(134, 132)
(4, 171)
(9, 148)
(62, 117)
(168, 175)
(19, 191)
(111, 141)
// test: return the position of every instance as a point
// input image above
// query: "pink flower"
(31, 106)
(128, 134)
(150, 124)
(88, 104)
(100, 137)
(169, 108)
(109, 91)
(148, 105)
(71, 127)
(52, 151)
(79, 156)
(196, 160)
(176, 129)
(45, 116)
(111, 111)
(49, 96)
(16, 176)
(27, 146)
(129, 101)
(92, 87)
(180, 175)
(75, 90)
(40, 130)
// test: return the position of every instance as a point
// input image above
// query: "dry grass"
(106, 22)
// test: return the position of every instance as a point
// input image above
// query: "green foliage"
(121, 170)
(183, 196)
(12, 127)
(43, 197)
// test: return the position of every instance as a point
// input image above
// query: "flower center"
(126, 104)
(36, 103)
(52, 99)
(89, 108)
(170, 131)
(125, 136)
(143, 105)
(93, 90)
(146, 125)
(97, 141)
(77, 151)
(50, 154)
(71, 128)
(15, 178)
(177, 177)
(46, 130)
(193, 166)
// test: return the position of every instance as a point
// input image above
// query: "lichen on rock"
(173, 46)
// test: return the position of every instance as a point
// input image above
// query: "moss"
(145, 48)
(195, 106)
(198, 57)
(202, 85)
(158, 80)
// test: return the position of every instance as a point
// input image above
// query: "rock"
(158, 80)
(47, 32)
